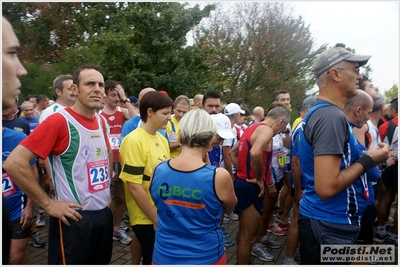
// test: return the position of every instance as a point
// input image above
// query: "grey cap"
(309, 101)
(335, 55)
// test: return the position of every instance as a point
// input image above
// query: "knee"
(18, 257)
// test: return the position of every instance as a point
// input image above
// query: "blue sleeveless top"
(189, 215)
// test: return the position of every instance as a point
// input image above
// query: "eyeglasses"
(356, 70)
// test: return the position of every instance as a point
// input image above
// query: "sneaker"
(275, 229)
(261, 253)
(36, 241)
(229, 242)
(380, 238)
(226, 220)
(269, 242)
(389, 228)
(232, 216)
(40, 222)
(226, 233)
(284, 226)
(288, 261)
(122, 237)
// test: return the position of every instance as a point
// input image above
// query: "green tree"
(139, 44)
(259, 48)
(392, 93)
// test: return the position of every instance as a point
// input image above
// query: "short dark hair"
(41, 98)
(394, 104)
(110, 85)
(361, 84)
(75, 76)
(279, 92)
(211, 94)
(239, 101)
(58, 83)
(154, 100)
(246, 112)
(29, 97)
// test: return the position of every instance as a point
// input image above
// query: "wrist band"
(271, 185)
(366, 161)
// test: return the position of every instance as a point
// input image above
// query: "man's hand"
(62, 210)
(379, 154)
(298, 195)
(120, 92)
(260, 185)
(272, 191)
(26, 218)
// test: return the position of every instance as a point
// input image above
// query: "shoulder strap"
(390, 132)
(173, 126)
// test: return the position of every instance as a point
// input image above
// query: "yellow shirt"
(140, 152)
(296, 121)
(173, 136)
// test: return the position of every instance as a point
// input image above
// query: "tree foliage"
(259, 48)
(392, 93)
(139, 44)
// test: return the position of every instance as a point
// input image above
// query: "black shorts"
(247, 195)
(88, 241)
(147, 236)
(17, 232)
(390, 177)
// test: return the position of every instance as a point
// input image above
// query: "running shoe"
(261, 253)
(36, 241)
(275, 229)
(122, 236)
(380, 238)
(288, 261)
(269, 242)
(226, 233)
(226, 220)
(40, 221)
(284, 226)
(232, 216)
(229, 242)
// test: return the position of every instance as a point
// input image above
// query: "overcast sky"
(371, 28)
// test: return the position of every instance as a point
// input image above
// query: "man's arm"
(27, 214)
(233, 154)
(296, 177)
(329, 180)
(227, 159)
(130, 110)
(17, 165)
(263, 137)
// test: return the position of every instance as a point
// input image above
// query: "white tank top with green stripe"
(81, 173)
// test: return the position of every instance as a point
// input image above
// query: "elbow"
(325, 193)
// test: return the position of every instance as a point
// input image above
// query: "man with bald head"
(332, 164)
(198, 101)
(258, 113)
(134, 122)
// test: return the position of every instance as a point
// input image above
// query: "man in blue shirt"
(335, 194)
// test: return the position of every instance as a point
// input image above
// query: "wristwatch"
(126, 100)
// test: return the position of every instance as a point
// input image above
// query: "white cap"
(223, 123)
(233, 108)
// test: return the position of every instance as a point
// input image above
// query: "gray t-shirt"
(327, 130)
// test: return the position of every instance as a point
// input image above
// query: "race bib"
(9, 187)
(281, 159)
(98, 178)
(114, 141)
